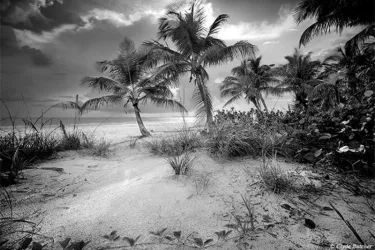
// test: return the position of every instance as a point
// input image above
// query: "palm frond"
(359, 38)
(217, 24)
(72, 105)
(218, 55)
(233, 99)
(96, 103)
(201, 110)
(167, 102)
(102, 84)
(127, 48)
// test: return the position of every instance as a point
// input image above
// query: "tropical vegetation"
(250, 80)
(132, 79)
(194, 48)
(330, 125)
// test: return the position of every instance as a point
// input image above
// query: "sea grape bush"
(342, 137)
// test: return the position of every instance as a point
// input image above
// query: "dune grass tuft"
(183, 141)
(274, 178)
(181, 164)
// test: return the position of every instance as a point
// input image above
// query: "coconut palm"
(193, 49)
(325, 95)
(250, 80)
(299, 76)
(131, 80)
(339, 14)
(355, 67)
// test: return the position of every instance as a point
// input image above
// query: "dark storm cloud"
(10, 47)
(37, 15)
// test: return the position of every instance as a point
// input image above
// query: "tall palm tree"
(193, 49)
(131, 80)
(299, 76)
(339, 14)
(250, 80)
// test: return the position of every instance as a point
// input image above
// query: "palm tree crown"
(299, 75)
(194, 48)
(339, 14)
(132, 80)
(250, 80)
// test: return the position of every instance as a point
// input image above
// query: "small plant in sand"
(101, 148)
(244, 224)
(15, 232)
(181, 164)
(202, 181)
(274, 178)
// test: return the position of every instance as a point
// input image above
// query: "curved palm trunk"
(264, 103)
(256, 104)
(209, 118)
(141, 126)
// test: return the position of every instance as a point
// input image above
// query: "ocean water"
(98, 121)
(114, 129)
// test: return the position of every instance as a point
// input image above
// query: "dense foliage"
(342, 137)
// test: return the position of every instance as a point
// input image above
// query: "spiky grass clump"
(185, 140)
(229, 140)
(14, 230)
(274, 178)
(181, 164)
(19, 150)
(100, 148)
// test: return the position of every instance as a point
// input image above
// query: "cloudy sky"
(47, 46)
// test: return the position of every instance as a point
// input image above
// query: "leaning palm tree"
(250, 80)
(299, 76)
(339, 14)
(131, 80)
(193, 49)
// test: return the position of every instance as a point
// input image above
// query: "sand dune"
(134, 192)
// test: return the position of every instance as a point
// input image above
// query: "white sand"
(134, 192)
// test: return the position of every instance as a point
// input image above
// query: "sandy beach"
(134, 192)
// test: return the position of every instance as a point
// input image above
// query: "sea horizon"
(90, 121)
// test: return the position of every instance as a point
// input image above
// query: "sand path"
(134, 192)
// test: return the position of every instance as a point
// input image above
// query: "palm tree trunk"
(209, 118)
(141, 126)
(256, 105)
(264, 103)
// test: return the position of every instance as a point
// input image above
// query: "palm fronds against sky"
(194, 47)
(132, 79)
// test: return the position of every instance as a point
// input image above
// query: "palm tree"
(132, 80)
(299, 76)
(325, 95)
(355, 67)
(337, 13)
(250, 80)
(193, 49)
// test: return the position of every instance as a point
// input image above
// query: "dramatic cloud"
(271, 42)
(116, 18)
(259, 30)
(36, 15)
(10, 47)
(47, 46)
